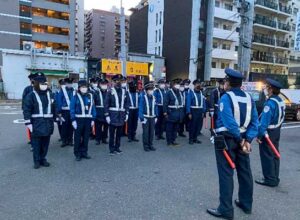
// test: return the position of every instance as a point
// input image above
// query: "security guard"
(93, 88)
(173, 111)
(237, 125)
(159, 95)
(63, 109)
(147, 115)
(101, 124)
(133, 116)
(116, 112)
(184, 89)
(38, 111)
(83, 114)
(271, 120)
(215, 97)
(28, 89)
(56, 96)
(195, 108)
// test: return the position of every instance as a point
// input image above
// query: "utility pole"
(123, 52)
(246, 8)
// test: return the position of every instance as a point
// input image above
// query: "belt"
(42, 115)
(83, 116)
(160, 104)
(133, 108)
(196, 107)
(117, 109)
(221, 129)
(65, 108)
(99, 106)
(176, 107)
(149, 116)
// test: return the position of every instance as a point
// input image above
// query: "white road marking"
(19, 121)
(10, 113)
(288, 127)
(291, 123)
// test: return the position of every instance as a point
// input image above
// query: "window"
(228, 7)
(294, 27)
(292, 57)
(156, 19)
(224, 65)
(236, 48)
(155, 50)
(216, 24)
(227, 27)
(215, 45)
(213, 65)
(155, 36)
(296, 11)
(235, 66)
(225, 47)
(160, 17)
(159, 35)
(159, 50)
(217, 4)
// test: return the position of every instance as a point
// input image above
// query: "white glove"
(61, 120)
(145, 121)
(74, 124)
(126, 118)
(29, 127)
(155, 120)
(92, 124)
(108, 120)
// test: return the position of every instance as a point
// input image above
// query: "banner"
(137, 69)
(111, 66)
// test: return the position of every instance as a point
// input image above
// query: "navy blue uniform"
(26, 91)
(147, 114)
(271, 120)
(82, 110)
(133, 115)
(63, 107)
(237, 120)
(101, 124)
(215, 97)
(116, 111)
(185, 122)
(196, 106)
(38, 110)
(159, 95)
(173, 107)
(59, 124)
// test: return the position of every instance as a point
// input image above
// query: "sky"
(107, 4)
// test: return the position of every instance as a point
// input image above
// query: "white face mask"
(186, 86)
(177, 86)
(43, 87)
(162, 86)
(266, 92)
(75, 86)
(181, 88)
(150, 92)
(192, 86)
(124, 85)
(103, 87)
(69, 85)
(83, 90)
(94, 85)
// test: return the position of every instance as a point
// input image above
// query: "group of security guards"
(101, 109)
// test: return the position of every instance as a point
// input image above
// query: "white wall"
(155, 7)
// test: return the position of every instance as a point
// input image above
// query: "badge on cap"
(266, 109)
(221, 106)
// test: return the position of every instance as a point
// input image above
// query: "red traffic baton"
(205, 123)
(94, 130)
(230, 162)
(28, 134)
(212, 123)
(272, 147)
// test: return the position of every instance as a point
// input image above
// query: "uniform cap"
(149, 85)
(82, 83)
(186, 81)
(40, 77)
(161, 81)
(32, 75)
(196, 81)
(177, 81)
(117, 77)
(68, 80)
(231, 73)
(274, 83)
(93, 80)
(103, 81)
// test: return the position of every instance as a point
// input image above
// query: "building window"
(215, 45)
(155, 50)
(159, 50)
(227, 27)
(216, 24)
(228, 7)
(213, 65)
(236, 48)
(156, 19)
(225, 47)
(235, 66)
(224, 65)
(160, 17)
(294, 27)
(155, 36)
(159, 35)
(217, 4)
(296, 11)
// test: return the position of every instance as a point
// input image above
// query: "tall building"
(103, 34)
(47, 23)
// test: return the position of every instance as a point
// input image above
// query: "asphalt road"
(171, 183)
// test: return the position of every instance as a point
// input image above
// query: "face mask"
(75, 86)
(181, 88)
(186, 86)
(69, 85)
(83, 90)
(162, 86)
(168, 85)
(266, 92)
(150, 92)
(43, 87)
(124, 85)
(177, 86)
(103, 87)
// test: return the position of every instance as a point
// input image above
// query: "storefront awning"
(52, 72)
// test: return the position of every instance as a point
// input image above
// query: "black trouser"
(159, 126)
(148, 133)
(195, 124)
(101, 130)
(132, 123)
(81, 137)
(244, 174)
(67, 128)
(115, 133)
(40, 148)
(171, 131)
(269, 162)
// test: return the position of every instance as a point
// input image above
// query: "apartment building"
(58, 24)
(103, 34)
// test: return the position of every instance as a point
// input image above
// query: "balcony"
(284, 27)
(225, 35)
(51, 5)
(283, 44)
(56, 38)
(224, 54)
(269, 59)
(25, 31)
(50, 22)
(224, 14)
(281, 60)
(285, 9)
(263, 40)
(265, 21)
(267, 4)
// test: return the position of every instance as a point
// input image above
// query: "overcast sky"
(107, 4)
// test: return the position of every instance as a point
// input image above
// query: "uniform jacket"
(159, 95)
(192, 103)
(215, 97)
(87, 110)
(100, 99)
(26, 91)
(147, 108)
(64, 98)
(173, 106)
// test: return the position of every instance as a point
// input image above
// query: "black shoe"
(175, 144)
(45, 164)
(71, 143)
(118, 151)
(182, 135)
(191, 142)
(86, 157)
(97, 142)
(59, 140)
(112, 153)
(36, 165)
(135, 140)
(104, 142)
(238, 204)
(216, 213)
(162, 138)
(63, 145)
(264, 183)
(146, 149)
(169, 144)
(152, 148)
(198, 142)
(129, 140)
(78, 158)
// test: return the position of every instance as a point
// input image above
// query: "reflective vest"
(197, 101)
(101, 99)
(132, 106)
(176, 101)
(66, 96)
(281, 113)
(148, 115)
(118, 107)
(41, 112)
(162, 98)
(83, 114)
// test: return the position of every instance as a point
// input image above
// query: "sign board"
(137, 69)
(297, 33)
(111, 66)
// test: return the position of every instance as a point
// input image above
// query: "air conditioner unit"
(28, 45)
(48, 50)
